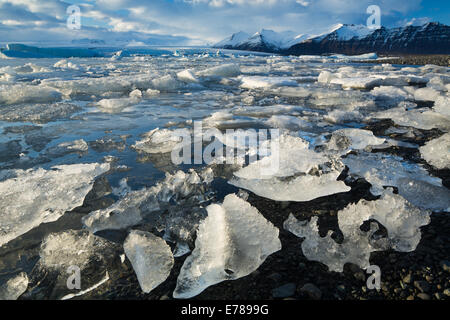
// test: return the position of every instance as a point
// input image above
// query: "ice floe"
(292, 172)
(345, 140)
(29, 198)
(382, 170)
(437, 152)
(260, 82)
(14, 287)
(232, 242)
(158, 141)
(401, 219)
(181, 189)
(151, 258)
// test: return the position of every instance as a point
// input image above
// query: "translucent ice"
(258, 82)
(38, 113)
(78, 146)
(14, 287)
(158, 141)
(151, 258)
(351, 139)
(382, 170)
(401, 219)
(72, 248)
(291, 173)
(25, 93)
(437, 152)
(232, 242)
(181, 187)
(226, 70)
(29, 198)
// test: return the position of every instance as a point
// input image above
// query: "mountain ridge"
(430, 38)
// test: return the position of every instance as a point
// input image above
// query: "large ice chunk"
(25, 93)
(158, 141)
(382, 170)
(186, 189)
(14, 287)
(78, 146)
(72, 247)
(351, 139)
(29, 198)
(437, 152)
(292, 172)
(422, 118)
(151, 258)
(232, 242)
(401, 219)
(260, 82)
(38, 113)
(64, 253)
(226, 70)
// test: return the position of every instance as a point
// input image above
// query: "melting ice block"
(29, 198)
(291, 173)
(382, 170)
(260, 82)
(437, 152)
(63, 253)
(226, 70)
(151, 258)
(401, 219)
(72, 247)
(350, 139)
(158, 141)
(185, 189)
(77, 146)
(14, 287)
(232, 242)
(422, 118)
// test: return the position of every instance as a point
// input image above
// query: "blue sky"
(199, 21)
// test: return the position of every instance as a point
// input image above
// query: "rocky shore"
(439, 60)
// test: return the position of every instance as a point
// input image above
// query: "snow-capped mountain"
(264, 40)
(430, 38)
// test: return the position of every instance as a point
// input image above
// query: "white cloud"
(211, 20)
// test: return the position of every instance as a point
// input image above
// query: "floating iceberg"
(401, 219)
(78, 146)
(232, 242)
(18, 50)
(151, 258)
(260, 82)
(158, 141)
(29, 198)
(26, 93)
(38, 113)
(226, 70)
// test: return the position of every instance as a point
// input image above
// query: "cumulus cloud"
(208, 20)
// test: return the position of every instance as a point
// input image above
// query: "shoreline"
(415, 60)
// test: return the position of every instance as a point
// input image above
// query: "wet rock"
(275, 276)
(312, 291)
(423, 286)
(284, 291)
(407, 279)
(423, 296)
(445, 264)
